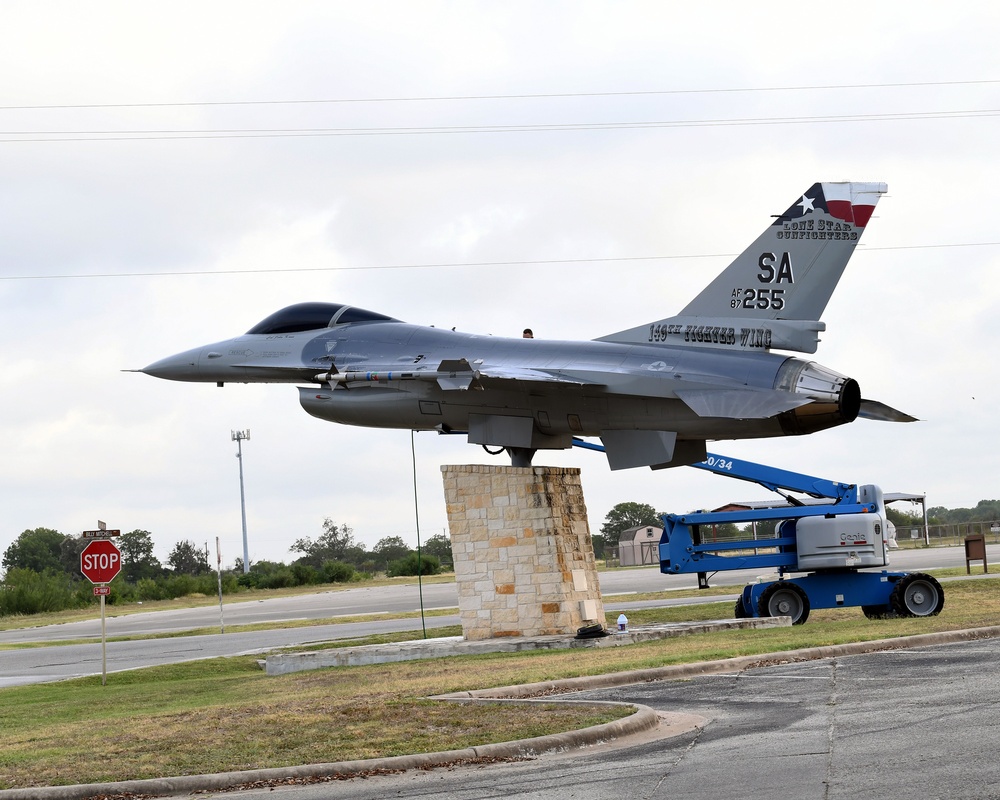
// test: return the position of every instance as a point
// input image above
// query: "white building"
(639, 545)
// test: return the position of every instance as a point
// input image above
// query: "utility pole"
(239, 437)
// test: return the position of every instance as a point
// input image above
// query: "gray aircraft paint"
(653, 394)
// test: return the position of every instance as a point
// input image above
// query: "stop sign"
(100, 561)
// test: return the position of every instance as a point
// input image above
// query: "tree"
(39, 550)
(901, 519)
(599, 543)
(188, 559)
(628, 515)
(720, 531)
(69, 555)
(985, 511)
(356, 556)
(390, 548)
(439, 546)
(138, 561)
(332, 545)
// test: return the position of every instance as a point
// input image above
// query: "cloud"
(267, 186)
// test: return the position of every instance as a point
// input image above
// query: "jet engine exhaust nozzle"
(836, 398)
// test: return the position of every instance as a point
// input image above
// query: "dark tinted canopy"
(314, 316)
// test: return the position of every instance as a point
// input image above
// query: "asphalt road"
(921, 723)
(615, 586)
(58, 662)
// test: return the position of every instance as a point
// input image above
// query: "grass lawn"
(226, 714)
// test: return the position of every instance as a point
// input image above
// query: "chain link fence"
(943, 535)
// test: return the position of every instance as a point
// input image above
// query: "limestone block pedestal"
(524, 561)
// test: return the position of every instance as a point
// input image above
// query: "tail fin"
(773, 294)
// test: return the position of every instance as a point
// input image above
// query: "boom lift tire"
(917, 595)
(784, 599)
(740, 612)
(879, 612)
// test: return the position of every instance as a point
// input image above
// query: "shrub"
(249, 580)
(149, 589)
(337, 572)
(305, 575)
(429, 565)
(184, 585)
(230, 584)
(279, 579)
(28, 592)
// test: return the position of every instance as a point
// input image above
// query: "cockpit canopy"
(314, 316)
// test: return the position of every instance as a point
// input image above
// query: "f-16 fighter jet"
(652, 394)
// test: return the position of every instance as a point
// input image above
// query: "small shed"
(639, 545)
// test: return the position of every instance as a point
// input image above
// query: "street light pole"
(239, 437)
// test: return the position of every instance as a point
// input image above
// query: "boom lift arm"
(686, 551)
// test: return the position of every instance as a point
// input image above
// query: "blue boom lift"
(830, 540)
(831, 537)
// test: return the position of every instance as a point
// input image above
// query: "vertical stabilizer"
(774, 293)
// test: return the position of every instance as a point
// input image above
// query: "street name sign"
(101, 534)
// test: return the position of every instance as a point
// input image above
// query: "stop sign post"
(100, 563)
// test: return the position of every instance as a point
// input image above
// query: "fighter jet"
(653, 394)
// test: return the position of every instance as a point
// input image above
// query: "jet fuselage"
(601, 385)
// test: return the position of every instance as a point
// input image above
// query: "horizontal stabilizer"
(740, 403)
(880, 412)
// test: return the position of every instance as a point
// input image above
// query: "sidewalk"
(284, 663)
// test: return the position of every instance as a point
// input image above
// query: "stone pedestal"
(524, 561)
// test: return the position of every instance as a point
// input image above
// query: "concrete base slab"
(284, 663)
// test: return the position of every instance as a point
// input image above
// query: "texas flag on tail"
(849, 202)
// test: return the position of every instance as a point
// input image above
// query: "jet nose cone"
(181, 367)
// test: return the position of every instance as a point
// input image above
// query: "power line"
(539, 96)
(440, 265)
(278, 133)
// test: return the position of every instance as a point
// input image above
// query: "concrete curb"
(644, 720)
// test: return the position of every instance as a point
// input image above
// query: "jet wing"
(450, 374)
(528, 374)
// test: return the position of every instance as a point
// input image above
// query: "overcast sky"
(172, 173)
